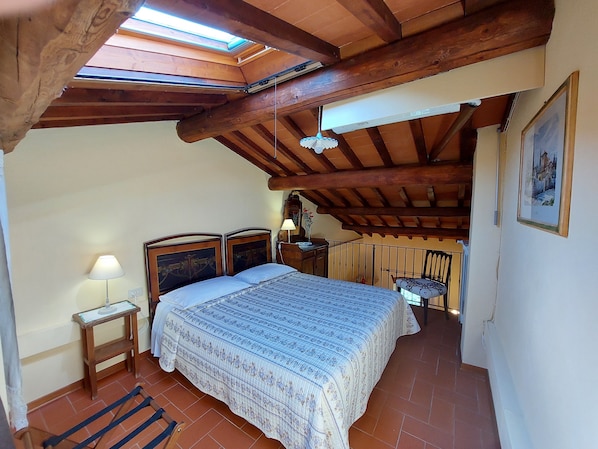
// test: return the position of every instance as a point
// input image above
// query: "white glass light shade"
(318, 143)
(106, 267)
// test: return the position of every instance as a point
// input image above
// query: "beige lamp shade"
(288, 225)
(106, 267)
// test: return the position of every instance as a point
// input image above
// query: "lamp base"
(106, 310)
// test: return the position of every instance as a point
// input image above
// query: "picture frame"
(546, 162)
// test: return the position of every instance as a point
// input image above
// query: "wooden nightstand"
(93, 355)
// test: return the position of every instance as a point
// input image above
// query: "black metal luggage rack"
(137, 405)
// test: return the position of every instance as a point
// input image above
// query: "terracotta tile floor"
(423, 401)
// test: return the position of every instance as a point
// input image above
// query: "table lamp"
(288, 225)
(106, 267)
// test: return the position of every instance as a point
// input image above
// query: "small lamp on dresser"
(106, 267)
(288, 225)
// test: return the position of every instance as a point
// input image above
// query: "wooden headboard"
(246, 248)
(177, 260)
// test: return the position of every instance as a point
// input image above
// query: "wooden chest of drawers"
(310, 259)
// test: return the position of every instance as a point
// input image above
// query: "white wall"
(76, 193)
(545, 311)
(484, 242)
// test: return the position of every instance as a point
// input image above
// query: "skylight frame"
(161, 25)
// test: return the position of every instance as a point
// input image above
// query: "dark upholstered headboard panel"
(246, 248)
(174, 261)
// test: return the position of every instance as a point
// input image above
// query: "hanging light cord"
(320, 120)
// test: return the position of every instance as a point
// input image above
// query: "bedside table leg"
(129, 336)
(84, 348)
(89, 362)
(135, 367)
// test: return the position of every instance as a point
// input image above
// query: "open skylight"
(181, 26)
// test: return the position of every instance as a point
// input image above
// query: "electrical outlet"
(135, 293)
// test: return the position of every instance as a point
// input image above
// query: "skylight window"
(163, 20)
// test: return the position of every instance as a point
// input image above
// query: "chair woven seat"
(433, 282)
(426, 288)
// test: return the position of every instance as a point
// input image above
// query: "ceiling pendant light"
(318, 143)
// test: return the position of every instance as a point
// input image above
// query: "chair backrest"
(437, 266)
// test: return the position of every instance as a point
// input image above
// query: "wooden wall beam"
(41, 52)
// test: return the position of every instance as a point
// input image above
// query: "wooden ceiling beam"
(263, 132)
(502, 29)
(343, 146)
(246, 21)
(461, 234)
(60, 123)
(471, 6)
(292, 127)
(431, 196)
(111, 97)
(316, 197)
(244, 154)
(380, 145)
(465, 113)
(461, 194)
(403, 194)
(376, 177)
(41, 52)
(339, 197)
(383, 200)
(346, 149)
(114, 111)
(417, 131)
(469, 142)
(398, 211)
(375, 15)
(261, 152)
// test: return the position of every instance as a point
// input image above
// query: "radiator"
(509, 417)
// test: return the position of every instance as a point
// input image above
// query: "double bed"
(294, 354)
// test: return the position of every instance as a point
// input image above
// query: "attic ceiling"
(410, 178)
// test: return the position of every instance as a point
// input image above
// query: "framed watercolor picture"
(547, 162)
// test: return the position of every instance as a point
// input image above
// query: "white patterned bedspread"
(297, 356)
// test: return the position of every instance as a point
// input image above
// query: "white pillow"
(263, 272)
(199, 292)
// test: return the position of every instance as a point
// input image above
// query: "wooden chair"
(167, 430)
(433, 281)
